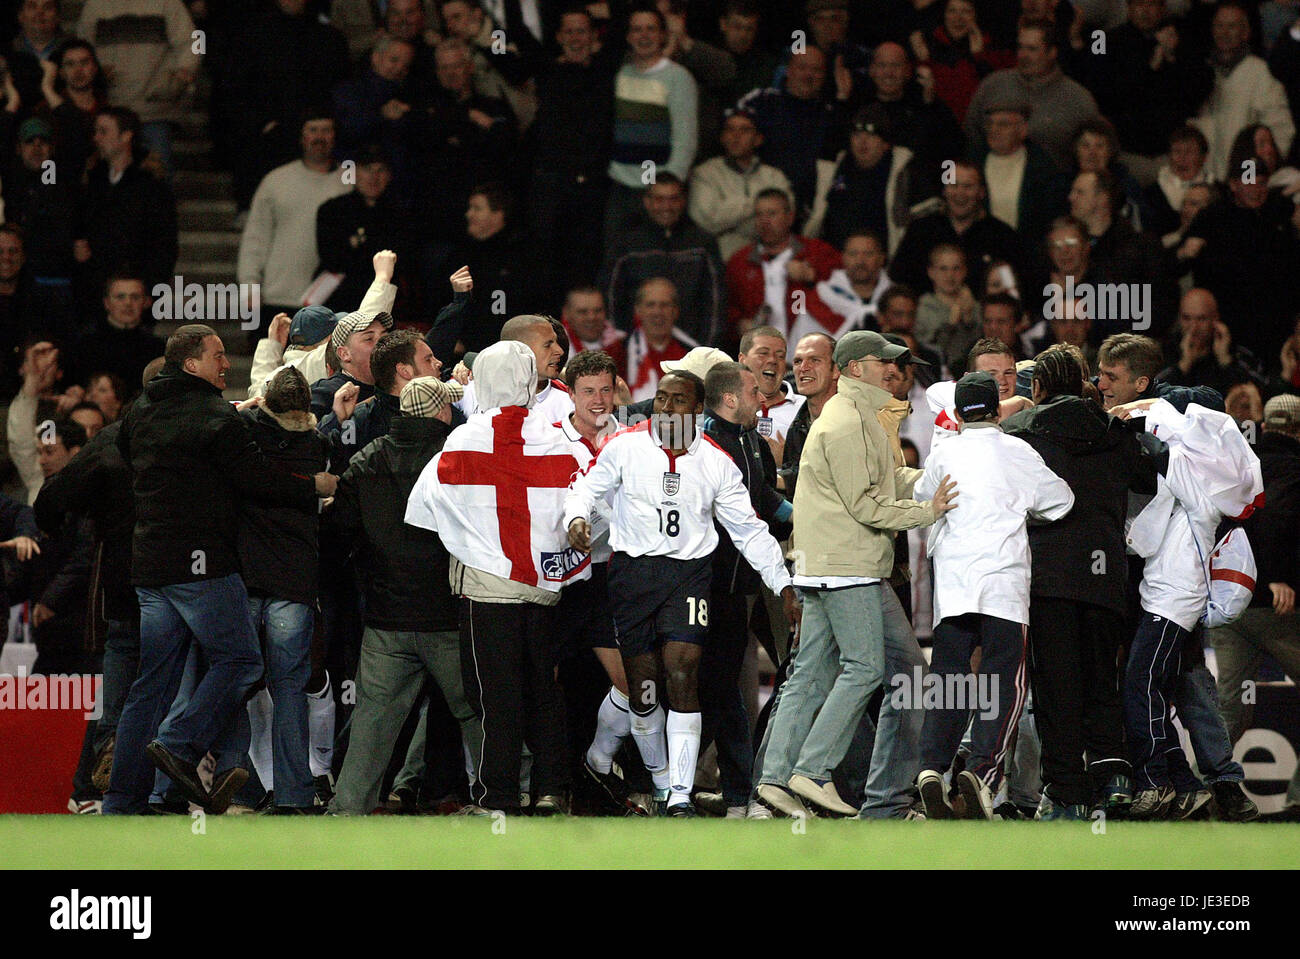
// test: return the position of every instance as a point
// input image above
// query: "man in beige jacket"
(846, 511)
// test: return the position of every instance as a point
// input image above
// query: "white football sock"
(613, 724)
(683, 752)
(648, 731)
(320, 729)
(261, 715)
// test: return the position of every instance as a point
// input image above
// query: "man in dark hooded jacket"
(1077, 589)
(411, 616)
(279, 555)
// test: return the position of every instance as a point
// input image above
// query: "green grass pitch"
(69, 842)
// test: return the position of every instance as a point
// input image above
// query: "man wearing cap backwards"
(868, 185)
(846, 511)
(1270, 624)
(411, 621)
(981, 598)
(302, 340)
(668, 483)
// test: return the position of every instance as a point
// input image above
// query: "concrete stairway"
(209, 241)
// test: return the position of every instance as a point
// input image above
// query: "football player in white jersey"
(667, 483)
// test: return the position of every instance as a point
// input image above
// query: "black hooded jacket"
(279, 546)
(1082, 557)
(1274, 531)
(192, 458)
(403, 568)
(753, 457)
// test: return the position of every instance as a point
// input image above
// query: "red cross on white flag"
(495, 495)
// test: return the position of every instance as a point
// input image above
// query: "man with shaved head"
(537, 332)
(1200, 350)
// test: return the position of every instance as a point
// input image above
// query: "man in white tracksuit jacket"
(1211, 473)
(981, 576)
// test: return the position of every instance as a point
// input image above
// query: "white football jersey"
(585, 453)
(665, 505)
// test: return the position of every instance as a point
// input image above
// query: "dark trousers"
(1077, 706)
(993, 730)
(725, 719)
(1150, 681)
(507, 659)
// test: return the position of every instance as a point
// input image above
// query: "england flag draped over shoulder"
(495, 494)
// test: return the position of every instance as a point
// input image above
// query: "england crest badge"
(672, 483)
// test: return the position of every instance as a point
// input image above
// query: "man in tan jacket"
(846, 511)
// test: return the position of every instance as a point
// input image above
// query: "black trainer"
(683, 810)
(1233, 803)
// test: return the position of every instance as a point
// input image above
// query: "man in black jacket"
(192, 459)
(279, 554)
(352, 342)
(1270, 624)
(816, 378)
(128, 218)
(61, 573)
(411, 616)
(1077, 589)
(97, 483)
(730, 420)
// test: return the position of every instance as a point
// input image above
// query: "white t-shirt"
(1004, 174)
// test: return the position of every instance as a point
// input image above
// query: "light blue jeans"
(288, 628)
(839, 664)
(885, 757)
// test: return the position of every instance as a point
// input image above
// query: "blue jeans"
(1197, 702)
(121, 663)
(885, 757)
(838, 665)
(171, 617)
(288, 628)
